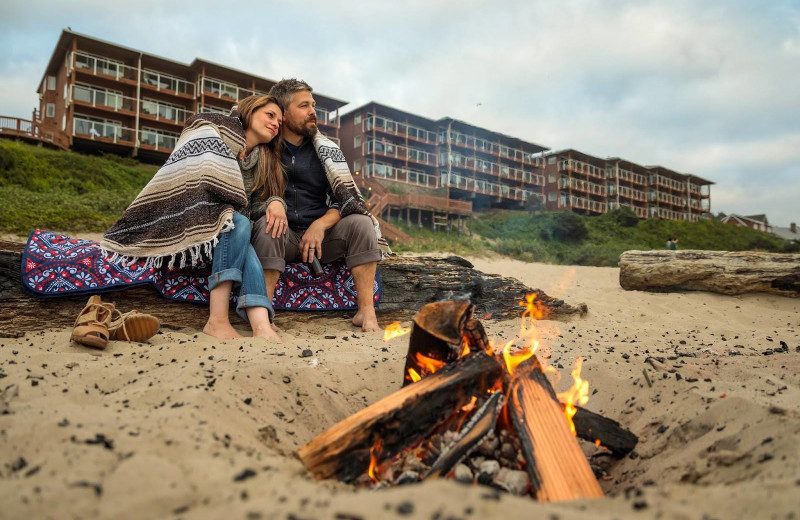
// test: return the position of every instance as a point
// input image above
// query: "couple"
(264, 175)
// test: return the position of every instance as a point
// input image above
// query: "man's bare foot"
(366, 320)
(275, 327)
(221, 330)
(267, 333)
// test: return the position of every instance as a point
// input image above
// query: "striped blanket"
(180, 213)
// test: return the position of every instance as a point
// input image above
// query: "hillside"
(72, 192)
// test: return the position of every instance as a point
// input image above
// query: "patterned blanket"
(58, 265)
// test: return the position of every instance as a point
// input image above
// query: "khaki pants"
(353, 238)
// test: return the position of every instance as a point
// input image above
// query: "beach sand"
(186, 426)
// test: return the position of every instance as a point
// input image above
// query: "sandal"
(91, 327)
(133, 326)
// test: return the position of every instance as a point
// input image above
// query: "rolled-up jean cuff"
(253, 300)
(228, 275)
(364, 257)
(272, 263)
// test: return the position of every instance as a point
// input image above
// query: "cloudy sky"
(708, 87)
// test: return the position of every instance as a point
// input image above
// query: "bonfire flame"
(578, 394)
(527, 334)
(427, 365)
(374, 453)
(395, 330)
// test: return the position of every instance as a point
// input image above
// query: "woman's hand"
(276, 219)
(311, 243)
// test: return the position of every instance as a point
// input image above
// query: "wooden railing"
(18, 127)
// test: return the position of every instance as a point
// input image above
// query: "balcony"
(156, 111)
(326, 117)
(486, 187)
(590, 170)
(660, 180)
(160, 82)
(582, 203)
(393, 173)
(484, 146)
(157, 140)
(626, 175)
(580, 185)
(113, 101)
(387, 149)
(106, 132)
(103, 67)
(396, 128)
(630, 193)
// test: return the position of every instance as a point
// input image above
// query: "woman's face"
(266, 122)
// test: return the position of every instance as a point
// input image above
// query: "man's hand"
(276, 219)
(311, 243)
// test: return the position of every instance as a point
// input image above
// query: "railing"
(399, 129)
(98, 65)
(158, 141)
(581, 167)
(17, 126)
(660, 180)
(482, 145)
(105, 132)
(591, 205)
(630, 193)
(419, 200)
(399, 152)
(160, 81)
(628, 175)
(640, 212)
(163, 112)
(90, 96)
(590, 187)
(485, 187)
(665, 213)
(387, 171)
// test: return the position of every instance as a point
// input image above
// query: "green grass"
(53, 189)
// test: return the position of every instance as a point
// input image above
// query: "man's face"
(301, 116)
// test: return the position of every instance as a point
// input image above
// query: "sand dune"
(186, 426)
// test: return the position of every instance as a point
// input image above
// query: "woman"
(198, 206)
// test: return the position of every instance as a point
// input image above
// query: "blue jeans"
(234, 259)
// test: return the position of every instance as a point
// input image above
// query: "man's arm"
(311, 243)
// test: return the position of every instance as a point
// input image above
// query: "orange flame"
(428, 364)
(577, 394)
(465, 345)
(414, 375)
(374, 453)
(394, 330)
(527, 334)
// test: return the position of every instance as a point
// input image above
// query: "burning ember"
(395, 330)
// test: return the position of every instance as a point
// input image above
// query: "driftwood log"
(722, 272)
(408, 284)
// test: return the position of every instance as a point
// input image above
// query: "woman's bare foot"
(275, 327)
(367, 320)
(267, 333)
(221, 330)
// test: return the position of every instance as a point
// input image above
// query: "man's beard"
(302, 129)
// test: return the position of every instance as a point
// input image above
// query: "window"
(357, 119)
(551, 160)
(357, 141)
(51, 110)
(64, 122)
(551, 196)
(551, 178)
(357, 165)
(66, 90)
(51, 82)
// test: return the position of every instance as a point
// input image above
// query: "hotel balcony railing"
(630, 193)
(399, 152)
(394, 173)
(589, 187)
(103, 99)
(105, 132)
(664, 213)
(485, 187)
(583, 203)
(482, 145)
(97, 65)
(326, 117)
(158, 141)
(672, 184)
(162, 112)
(159, 81)
(390, 126)
(626, 175)
(640, 212)
(581, 167)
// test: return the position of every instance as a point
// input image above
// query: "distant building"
(787, 233)
(99, 95)
(757, 222)
(592, 185)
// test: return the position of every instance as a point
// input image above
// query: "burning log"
(722, 272)
(408, 284)
(399, 420)
(595, 428)
(555, 462)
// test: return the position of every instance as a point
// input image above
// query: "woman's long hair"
(269, 175)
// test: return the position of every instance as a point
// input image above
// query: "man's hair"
(285, 89)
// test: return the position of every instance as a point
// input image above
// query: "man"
(311, 223)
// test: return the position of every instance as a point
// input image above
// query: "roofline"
(454, 120)
(386, 106)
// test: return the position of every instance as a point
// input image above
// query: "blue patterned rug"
(59, 265)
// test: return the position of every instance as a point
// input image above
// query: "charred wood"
(594, 427)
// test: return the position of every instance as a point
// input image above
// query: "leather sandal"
(91, 327)
(133, 326)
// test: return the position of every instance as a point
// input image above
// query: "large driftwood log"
(408, 284)
(715, 271)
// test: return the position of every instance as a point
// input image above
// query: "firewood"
(594, 427)
(722, 272)
(555, 462)
(408, 284)
(399, 420)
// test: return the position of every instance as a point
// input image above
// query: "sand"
(186, 426)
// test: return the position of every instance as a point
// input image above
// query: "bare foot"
(267, 333)
(366, 320)
(221, 330)
(275, 327)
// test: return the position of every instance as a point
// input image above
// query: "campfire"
(474, 411)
